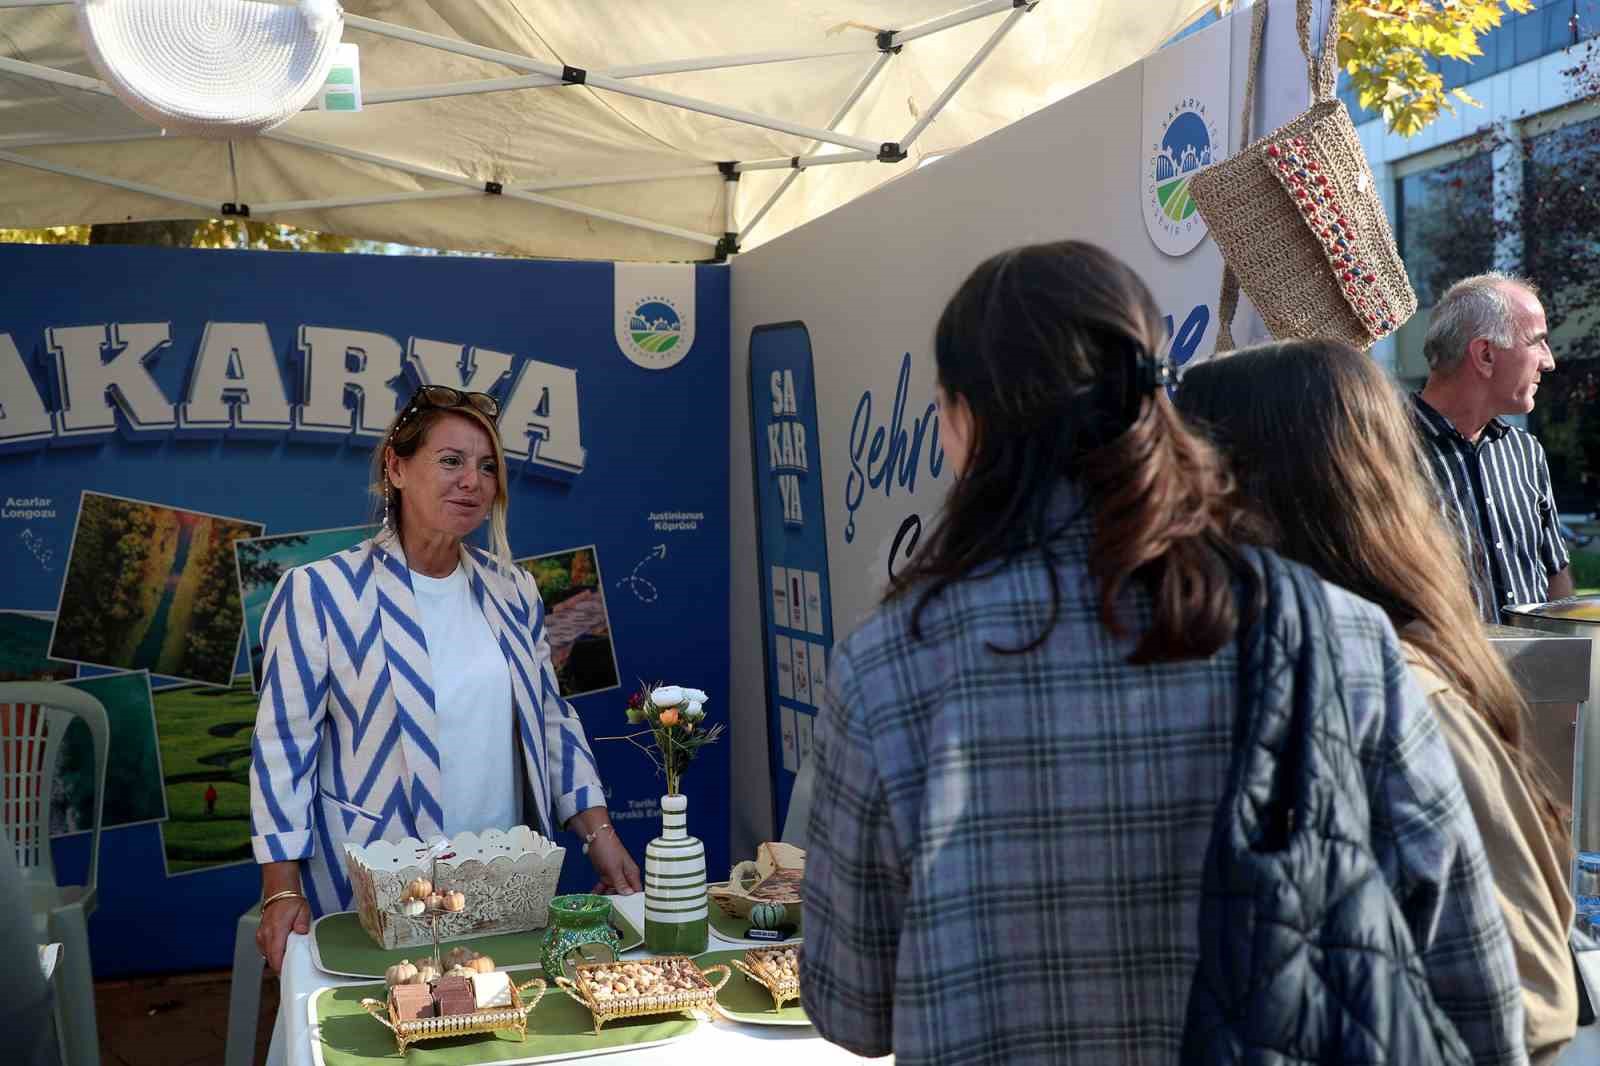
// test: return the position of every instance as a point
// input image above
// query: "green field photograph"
(261, 561)
(133, 768)
(577, 624)
(205, 751)
(152, 588)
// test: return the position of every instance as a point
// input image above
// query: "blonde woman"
(407, 688)
(1325, 451)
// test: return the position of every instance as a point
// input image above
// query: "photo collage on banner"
(171, 450)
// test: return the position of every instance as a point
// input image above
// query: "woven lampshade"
(224, 69)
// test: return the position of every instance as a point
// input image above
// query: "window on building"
(1446, 223)
(1561, 253)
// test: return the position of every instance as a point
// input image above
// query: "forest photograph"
(577, 624)
(150, 587)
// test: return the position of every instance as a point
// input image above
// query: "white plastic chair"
(244, 993)
(34, 716)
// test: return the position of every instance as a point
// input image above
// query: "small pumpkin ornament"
(401, 973)
(767, 915)
(482, 964)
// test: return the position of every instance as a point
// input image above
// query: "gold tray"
(513, 1018)
(757, 966)
(702, 995)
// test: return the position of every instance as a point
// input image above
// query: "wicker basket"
(759, 965)
(493, 1020)
(777, 876)
(702, 995)
(1299, 221)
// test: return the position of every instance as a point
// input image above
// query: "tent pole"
(961, 79)
(944, 22)
(57, 77)
(749, 59)
(838, 117)
(806, 162)
(613, 216)
(28, 140)
(472, 183)
(597, 80)
(212, 206)
(285, 206)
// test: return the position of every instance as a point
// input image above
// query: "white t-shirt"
(472, 697)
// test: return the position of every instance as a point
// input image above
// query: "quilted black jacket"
(1305, 955)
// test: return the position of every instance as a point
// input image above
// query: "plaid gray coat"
(1005, 853)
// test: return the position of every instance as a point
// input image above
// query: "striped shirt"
(1005, 854)
(1496, 494)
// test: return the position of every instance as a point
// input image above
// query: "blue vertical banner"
(797, 608)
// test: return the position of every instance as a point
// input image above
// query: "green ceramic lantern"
(767, 915)
(580, 931)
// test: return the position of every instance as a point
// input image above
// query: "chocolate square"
(453, 995)
(412, 1002)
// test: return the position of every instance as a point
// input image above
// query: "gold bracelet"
(589, 838)
(287, 893)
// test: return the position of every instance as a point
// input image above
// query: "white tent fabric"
(463, 93)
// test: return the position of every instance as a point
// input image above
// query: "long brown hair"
(1044, 344)
(1323, 444)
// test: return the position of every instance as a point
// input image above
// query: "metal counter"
(1555, 669)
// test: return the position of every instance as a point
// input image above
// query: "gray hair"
(1473, 307)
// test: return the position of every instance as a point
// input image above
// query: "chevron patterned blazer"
(345, 744)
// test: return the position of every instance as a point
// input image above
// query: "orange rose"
(669, 716)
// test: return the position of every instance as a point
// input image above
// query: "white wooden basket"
(508, 877)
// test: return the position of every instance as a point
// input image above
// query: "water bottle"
(1588, 892)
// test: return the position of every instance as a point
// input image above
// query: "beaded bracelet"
(589, 838)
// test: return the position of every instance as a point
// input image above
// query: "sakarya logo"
(655, 327)
(1188, 142)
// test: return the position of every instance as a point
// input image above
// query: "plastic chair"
(34, 716)
(244, 993)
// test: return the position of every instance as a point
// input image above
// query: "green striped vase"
(675, 885)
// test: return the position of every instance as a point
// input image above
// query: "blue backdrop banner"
(791, 526)
(178, 427)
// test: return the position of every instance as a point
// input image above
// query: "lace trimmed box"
(508, 877)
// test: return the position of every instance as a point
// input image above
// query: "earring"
(388, 523)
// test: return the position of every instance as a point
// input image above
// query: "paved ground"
(180, 1020)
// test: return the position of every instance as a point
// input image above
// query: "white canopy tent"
(605, 129)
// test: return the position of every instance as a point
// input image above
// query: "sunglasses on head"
(444, 397)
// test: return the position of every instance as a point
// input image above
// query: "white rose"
(694, 695)
(694, 712)
(667, 696)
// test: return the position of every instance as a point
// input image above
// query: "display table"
(710, 1042)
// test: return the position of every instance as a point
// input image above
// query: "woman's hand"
(290, 914)
(614, 866)
(282, 916)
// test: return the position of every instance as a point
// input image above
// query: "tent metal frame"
(537, 74)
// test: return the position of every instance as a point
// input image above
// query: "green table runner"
(343, 948)
(745, 1001)
(558, 1027)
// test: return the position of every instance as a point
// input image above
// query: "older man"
(1487, 345)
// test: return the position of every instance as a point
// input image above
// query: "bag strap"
(1322, 69)
(1322, 73)
(1228, 300)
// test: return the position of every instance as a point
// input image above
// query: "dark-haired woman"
(1022, 750)
(1326, 452)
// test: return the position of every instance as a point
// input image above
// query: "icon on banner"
(1185, 141)
(655, 327)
